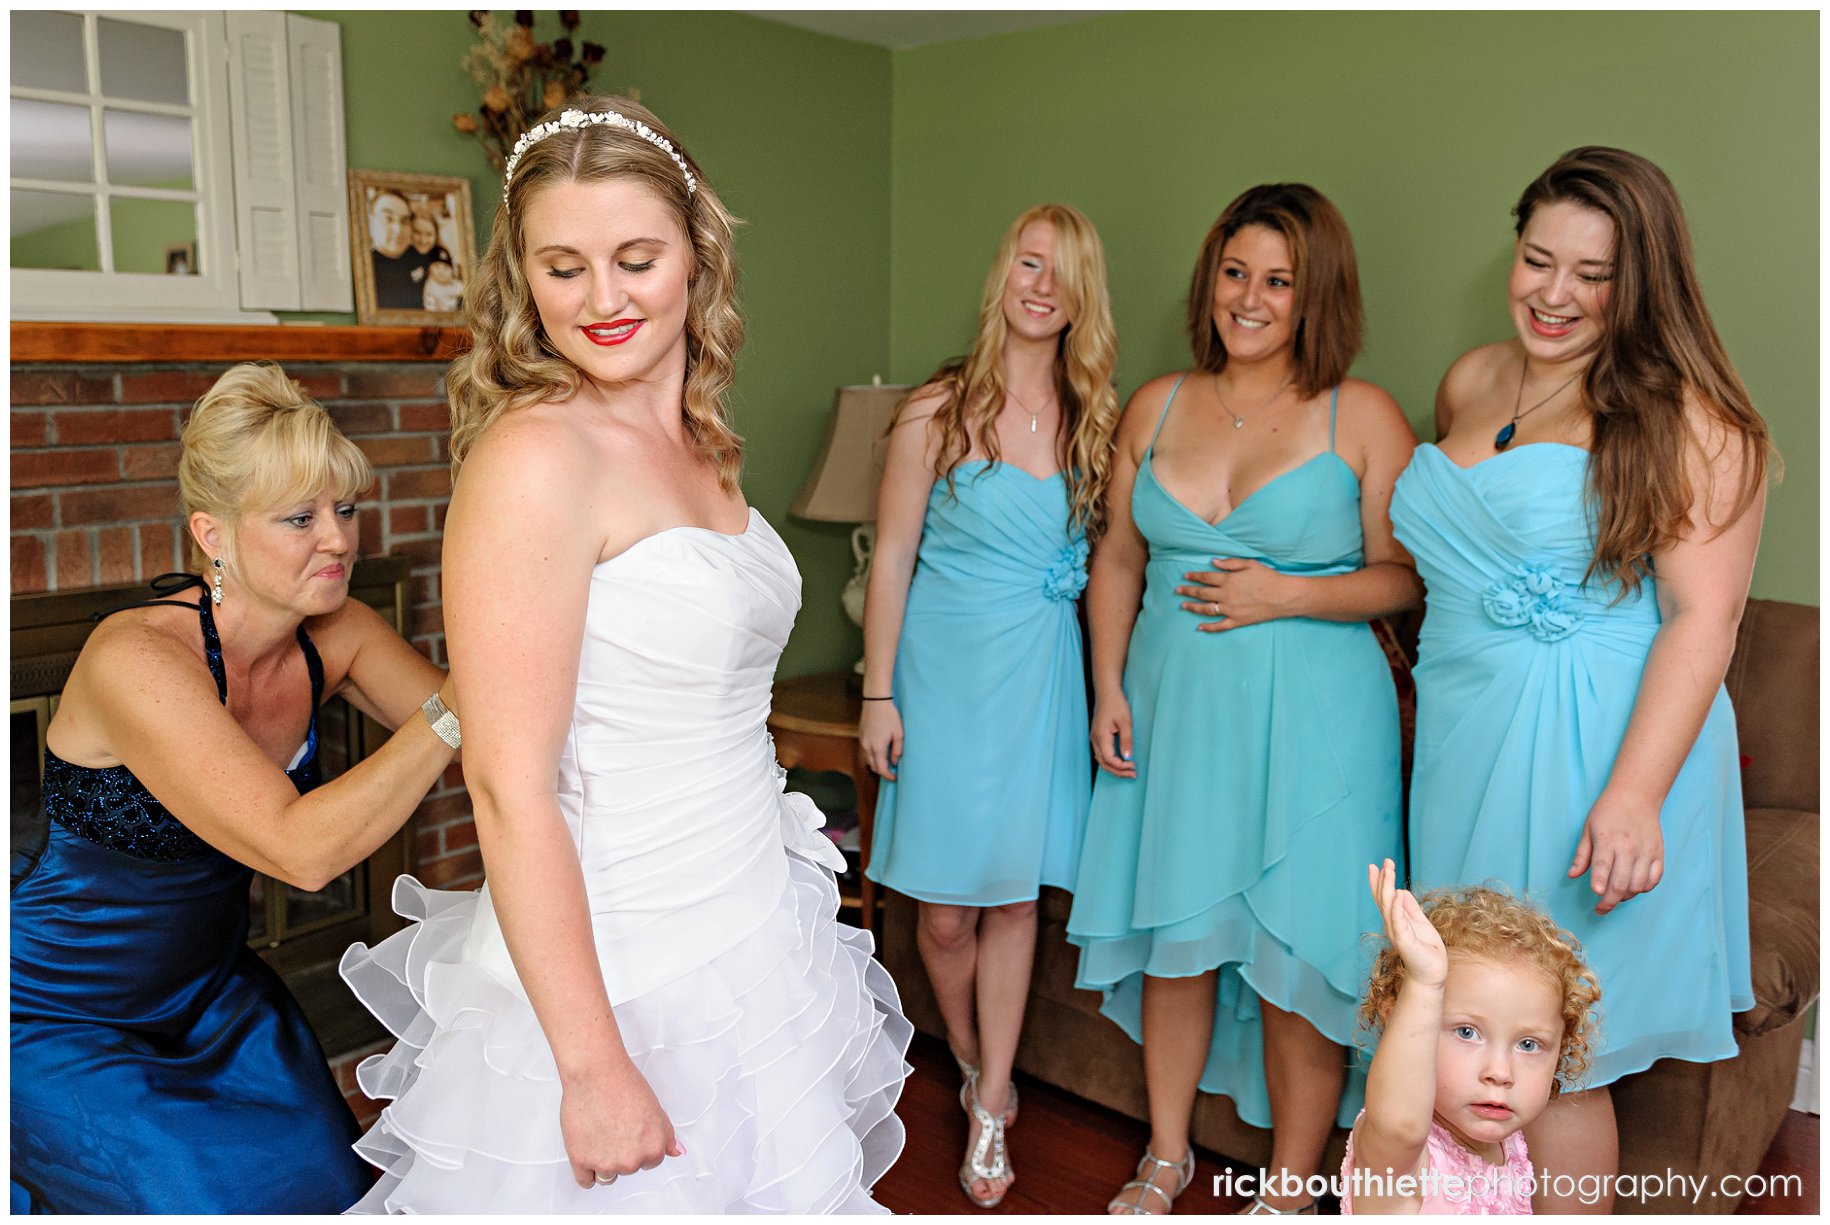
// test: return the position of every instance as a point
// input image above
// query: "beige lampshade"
(843, 485)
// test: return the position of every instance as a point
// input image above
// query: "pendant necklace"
(1238, 420)
(1503, 439)
(1033, 415)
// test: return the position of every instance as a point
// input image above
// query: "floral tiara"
(574, 120)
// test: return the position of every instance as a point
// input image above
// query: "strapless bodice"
(1502, 548)
(668, 778)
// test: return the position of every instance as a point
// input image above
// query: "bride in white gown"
(650, 1006)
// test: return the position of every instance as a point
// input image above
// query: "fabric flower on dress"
(1067, 577)
(1536, 597)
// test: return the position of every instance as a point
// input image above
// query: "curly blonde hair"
(1488, 922)
(513, 364)
(1085, 357)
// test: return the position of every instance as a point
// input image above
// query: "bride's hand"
(613, 1124)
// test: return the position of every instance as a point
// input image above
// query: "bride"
(650, 1006)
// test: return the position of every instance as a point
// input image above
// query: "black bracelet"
(885, 698)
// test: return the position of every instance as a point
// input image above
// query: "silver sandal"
(1147, 1169)
(969, 1074)
(989, 1159)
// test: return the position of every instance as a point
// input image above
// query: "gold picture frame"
(412, 240)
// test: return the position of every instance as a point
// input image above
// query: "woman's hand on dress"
(1238, 591)
(1426, 960)
(1112, 736)
(1622, 849)
(880, 736)
(613, 1125)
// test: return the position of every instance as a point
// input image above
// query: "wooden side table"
(814, 720)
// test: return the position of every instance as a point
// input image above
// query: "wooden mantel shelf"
(79, 343)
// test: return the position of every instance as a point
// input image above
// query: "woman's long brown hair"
(1657, 342)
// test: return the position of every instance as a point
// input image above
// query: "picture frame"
(412, 247)
(181, 259)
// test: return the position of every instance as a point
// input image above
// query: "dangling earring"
(216, 568)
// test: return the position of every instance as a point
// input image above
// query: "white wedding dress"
(771, 1037)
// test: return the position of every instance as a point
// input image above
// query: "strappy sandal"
(989, 1160)
(969, 1074)
(1259, 1208)
(1147, 1170)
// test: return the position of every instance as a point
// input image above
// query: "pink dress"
(1455, 1182)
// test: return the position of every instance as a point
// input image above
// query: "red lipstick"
(616, 332)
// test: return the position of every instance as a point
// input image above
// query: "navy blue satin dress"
(157, 1064)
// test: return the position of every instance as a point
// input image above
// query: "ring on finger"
(1213, 607)
(604, 1180)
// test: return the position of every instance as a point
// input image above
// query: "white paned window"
(175, 166)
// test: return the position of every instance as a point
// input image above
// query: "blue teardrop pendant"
(1503, 439)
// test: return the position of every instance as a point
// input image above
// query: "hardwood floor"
(1072, 1156)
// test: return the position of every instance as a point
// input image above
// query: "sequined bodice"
(108, 805)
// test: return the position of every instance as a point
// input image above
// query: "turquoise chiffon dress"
(990, 797)
(1267, 779)
(1525, 682)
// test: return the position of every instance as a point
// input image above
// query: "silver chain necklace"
(1239, 420)
(1033, 414)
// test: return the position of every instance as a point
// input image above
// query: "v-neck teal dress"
(1268, 777)
(990, 797)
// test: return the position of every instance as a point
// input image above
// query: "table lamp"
(842, 487)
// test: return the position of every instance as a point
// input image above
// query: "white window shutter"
(266, 205)
(315, 53)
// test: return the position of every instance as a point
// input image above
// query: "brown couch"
(1711, 1119)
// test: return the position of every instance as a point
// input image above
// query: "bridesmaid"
(1586, 528)
(992, 485)
(1248, 755)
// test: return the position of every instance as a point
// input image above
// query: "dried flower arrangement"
(521, 79)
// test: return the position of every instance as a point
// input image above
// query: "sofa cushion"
(1782, 916)
(1772, 681)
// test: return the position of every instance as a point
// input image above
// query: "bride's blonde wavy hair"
(512, 364)
(1085, 356)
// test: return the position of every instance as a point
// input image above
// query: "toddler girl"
(1487, 1012)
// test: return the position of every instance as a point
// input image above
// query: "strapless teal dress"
(1268, 778)
(990, 797)
(1525, 681)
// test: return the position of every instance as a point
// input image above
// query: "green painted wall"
(875, 186)
(793, 130)
(1423, 128)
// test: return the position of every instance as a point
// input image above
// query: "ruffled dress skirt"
(779, 1063)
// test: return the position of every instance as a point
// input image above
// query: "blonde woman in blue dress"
(1249, 752)
(992, 485)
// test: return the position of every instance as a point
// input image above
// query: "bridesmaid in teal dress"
(1249, 753)
(974, 683)
(1586, 528)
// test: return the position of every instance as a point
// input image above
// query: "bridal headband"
(574, 120)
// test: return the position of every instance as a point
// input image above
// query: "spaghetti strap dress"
(1267, 779)
(158, 1065)
(1526, 679)
(990, 797)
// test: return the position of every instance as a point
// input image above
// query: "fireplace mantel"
(80, 343)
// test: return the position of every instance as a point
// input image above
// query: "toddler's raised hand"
(1408, 928)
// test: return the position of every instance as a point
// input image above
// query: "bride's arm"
(520, 544)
